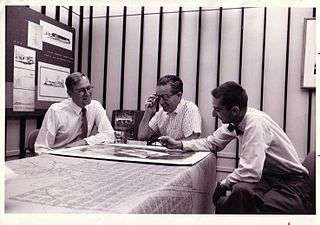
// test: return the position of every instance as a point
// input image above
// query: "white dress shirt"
(181, 123)
(265, 148)
(62, 125)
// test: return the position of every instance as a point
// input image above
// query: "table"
(60, 184)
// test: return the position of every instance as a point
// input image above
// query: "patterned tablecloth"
(58, 184)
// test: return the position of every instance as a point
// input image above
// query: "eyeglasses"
(165, 97)
(82, 91)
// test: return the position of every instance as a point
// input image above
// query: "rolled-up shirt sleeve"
(214, 143)
(105, 130)
(252, 156)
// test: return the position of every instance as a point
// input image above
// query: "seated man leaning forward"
(69, 123)
(270, 177)
(177, 118)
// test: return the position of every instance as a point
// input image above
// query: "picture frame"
(308, 79)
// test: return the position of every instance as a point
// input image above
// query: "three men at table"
(270, 177)
(70, 123)
(177, 118)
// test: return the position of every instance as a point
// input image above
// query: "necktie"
(84, 125)
(232, 127)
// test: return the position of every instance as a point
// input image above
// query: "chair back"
(310, 163)
(31, 139)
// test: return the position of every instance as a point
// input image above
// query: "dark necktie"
(84, 125)
(232, 127)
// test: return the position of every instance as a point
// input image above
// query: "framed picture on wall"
(309, 54)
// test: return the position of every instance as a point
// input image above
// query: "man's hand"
(169, 142)
(76, 143)
(219, 192)
(151, 103)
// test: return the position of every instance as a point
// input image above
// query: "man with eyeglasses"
(177, 118)
(270, 177)
(71, 122)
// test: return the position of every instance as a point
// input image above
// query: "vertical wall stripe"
(106, 51)
(309, 120)
(159, 43)
(90, 42)
(70, 16)
(310, 106)
(57, 13)
(241, 46)
(240, 74)
(263, 57)
(22, 137)
(286, 72)
(179, 41)
(70, 25)
(140, 58)
(219, 56)
(80, 40)
(5, 136)
(39, 122)
(198, 56)
(123, 54)
(43, 10)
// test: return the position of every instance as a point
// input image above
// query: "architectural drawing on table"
(58, 37)
(19, 57)
(55, 83)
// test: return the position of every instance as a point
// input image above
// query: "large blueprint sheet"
(134, 153)
(55, 184)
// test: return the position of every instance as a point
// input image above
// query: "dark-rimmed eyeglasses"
(82, 91)
(165, 97)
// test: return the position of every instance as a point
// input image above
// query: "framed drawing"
(51, 82)
(309, 54)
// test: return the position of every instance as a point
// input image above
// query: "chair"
(31, 139)
(309, 163)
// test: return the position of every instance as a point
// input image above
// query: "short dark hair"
(73, 79)
(174, 81)
(231, 94)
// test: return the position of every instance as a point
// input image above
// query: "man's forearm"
(144, 129)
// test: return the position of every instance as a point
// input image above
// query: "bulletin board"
(39, 55)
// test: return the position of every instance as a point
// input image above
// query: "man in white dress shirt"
(177, 118)
(270, 178)
(69, 123)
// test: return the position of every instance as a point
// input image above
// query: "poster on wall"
(23, 100)
(34, 35)
(24, 58)
(24, 79)
(51, 82)
(309, 57)
(56, 36)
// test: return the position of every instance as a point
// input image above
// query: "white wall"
(274, 72)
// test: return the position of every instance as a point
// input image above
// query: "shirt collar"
(75, 107)
(178, 108)
(242, 124)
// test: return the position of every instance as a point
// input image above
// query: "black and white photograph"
(160, 112)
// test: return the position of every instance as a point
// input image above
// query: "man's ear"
(179, 94)
(235, 110)
(69, 92)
